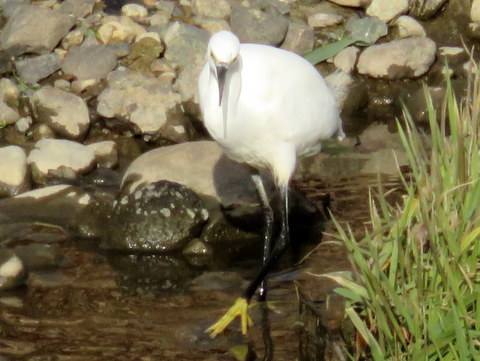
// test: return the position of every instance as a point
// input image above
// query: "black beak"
(221, 76)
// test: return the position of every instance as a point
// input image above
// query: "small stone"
(66, 113)
(217, 9)
(475, 11)
(8, 115)
(352, 3)
(300, 38)
(23, 124)
(32, 70)
(73, 38)
(159, 18)
(12, 271)
(212, 25)
(134, 11)
(13, 171)
(407, 26)
(119, 29)
(323, 20)
(346, 59)
(60, 158)
(387, 10)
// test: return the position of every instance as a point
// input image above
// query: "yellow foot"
(240, 308)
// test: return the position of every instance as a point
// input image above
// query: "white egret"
(265, 107)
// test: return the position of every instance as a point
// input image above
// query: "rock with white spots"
(323, 20)
(387, 10)
(105, 152)
(64, 112)
(12, 271)
(13, 171)
(149, 104)
(217, 9)
(346, 59)
(407, 27)
(34, 29)
(159, 217)
(300, 38)
(398, 59)
(59, 158)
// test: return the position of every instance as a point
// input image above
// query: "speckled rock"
(299, 39)
(34, 29)
(264, 25)
(64, 112)
(150, 104)
(13, 171)
(59, 158)
(162, 216)
(90, 62)
(398, 59)
(32, 70)
(12, 272)
(387, 10)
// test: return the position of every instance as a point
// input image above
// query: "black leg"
(268, 227)
(278, 249)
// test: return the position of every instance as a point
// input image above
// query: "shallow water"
(116, 307)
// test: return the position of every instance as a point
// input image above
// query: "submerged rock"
(162, 216)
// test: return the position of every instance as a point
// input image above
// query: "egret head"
(223, 50)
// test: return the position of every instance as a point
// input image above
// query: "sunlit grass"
(414, 293)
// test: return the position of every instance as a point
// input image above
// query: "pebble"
(32, 70)
(387, 10)
(346, 59)
(406, 27)
(323, 20)
(12, 271)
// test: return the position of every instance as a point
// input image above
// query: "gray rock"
(299, 39)
(32, 70)
(217, 9)
(185, 44)
(264, 25)
(65, 113)
(13, 171)
(162, 216)
(204, 169)
(12, 272)
(90, 62)
(217, 281)
(37, 256)
(34, 29)
(59, 158)
(77, 8)
(398, 59)
(149, 103)
(10, 6)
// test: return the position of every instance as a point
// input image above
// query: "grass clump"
(414, 293)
